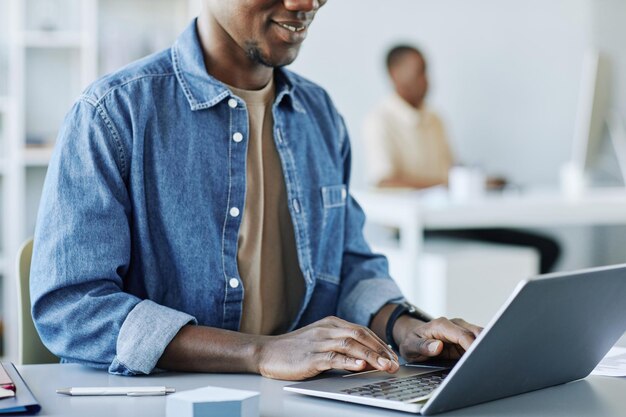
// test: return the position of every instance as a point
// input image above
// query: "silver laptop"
(554, 329)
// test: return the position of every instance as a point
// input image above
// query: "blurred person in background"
(407, 147)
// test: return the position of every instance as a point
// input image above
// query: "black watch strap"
(400, 310)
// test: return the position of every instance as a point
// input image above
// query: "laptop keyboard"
(414, 387)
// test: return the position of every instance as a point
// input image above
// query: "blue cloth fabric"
(136, 234)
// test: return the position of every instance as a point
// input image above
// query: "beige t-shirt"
(402, 141)
(267, 258)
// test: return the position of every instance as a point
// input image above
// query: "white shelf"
(53, 39)
(33, 53)
(37, 156)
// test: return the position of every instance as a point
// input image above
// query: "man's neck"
(227, 61)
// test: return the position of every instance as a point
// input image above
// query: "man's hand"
(330, 343)
(448, 339)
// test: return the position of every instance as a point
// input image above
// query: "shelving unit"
(37, 156)
(5, 108)
(43, 39)
(55, 49)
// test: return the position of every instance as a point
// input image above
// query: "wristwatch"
(400, 310)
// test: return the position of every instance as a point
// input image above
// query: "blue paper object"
(213, 402)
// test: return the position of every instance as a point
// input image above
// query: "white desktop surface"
(593, 396)
(533, 208)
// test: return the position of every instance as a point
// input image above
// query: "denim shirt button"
(233, 282)
(237, 137)
(234, 211)
(296, 205)
(232, 103)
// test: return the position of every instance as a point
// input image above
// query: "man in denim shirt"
(163, 179)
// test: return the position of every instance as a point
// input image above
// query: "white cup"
(466, 183)
(573, 180)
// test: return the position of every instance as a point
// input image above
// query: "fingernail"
(432, 347)
(360, 362)
(383, 361)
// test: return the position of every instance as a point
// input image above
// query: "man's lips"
(292, 26)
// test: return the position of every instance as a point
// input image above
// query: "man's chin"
(275, 60)
(279, 61)
(284, 62)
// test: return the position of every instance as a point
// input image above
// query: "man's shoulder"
(382, 112)
(150, 67)
(431, 115)
(392, 107)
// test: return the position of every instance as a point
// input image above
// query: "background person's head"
(407, 69)
(269, 32)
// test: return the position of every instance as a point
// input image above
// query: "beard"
(255, 54)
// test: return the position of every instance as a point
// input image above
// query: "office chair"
(31, 350)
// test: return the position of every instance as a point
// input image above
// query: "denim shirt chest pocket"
(334, 196)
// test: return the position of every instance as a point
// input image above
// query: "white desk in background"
(412, 212)
(434, 210)
(594, 396)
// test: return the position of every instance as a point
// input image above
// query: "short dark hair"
(398, 52)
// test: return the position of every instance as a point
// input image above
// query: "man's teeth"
(292, 28)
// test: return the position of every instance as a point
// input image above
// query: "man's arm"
(82, 252)
(330, 343)
(207, 349)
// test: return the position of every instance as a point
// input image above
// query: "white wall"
(609, 34)
(504, 73)
(4, 39)
(141, 26)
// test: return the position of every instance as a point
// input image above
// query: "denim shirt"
(139, 219)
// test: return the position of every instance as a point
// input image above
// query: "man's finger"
(381, 347)
(476, 330)
(428, 347)
(423, 349)
(353, 348)
(365, 337)
(447, 331)
(335, 360)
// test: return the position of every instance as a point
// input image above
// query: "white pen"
(129, 391)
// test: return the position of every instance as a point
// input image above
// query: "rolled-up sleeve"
(82, 253)
(138, 334)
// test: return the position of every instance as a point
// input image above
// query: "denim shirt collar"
(204, 91)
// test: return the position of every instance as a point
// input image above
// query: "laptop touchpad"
(404, 371)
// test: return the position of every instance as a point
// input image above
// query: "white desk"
(412, 212)
(434, 210)
(594, 396)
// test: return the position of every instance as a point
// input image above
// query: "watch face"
(416, 312)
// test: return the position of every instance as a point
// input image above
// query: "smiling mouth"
(291, 27)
